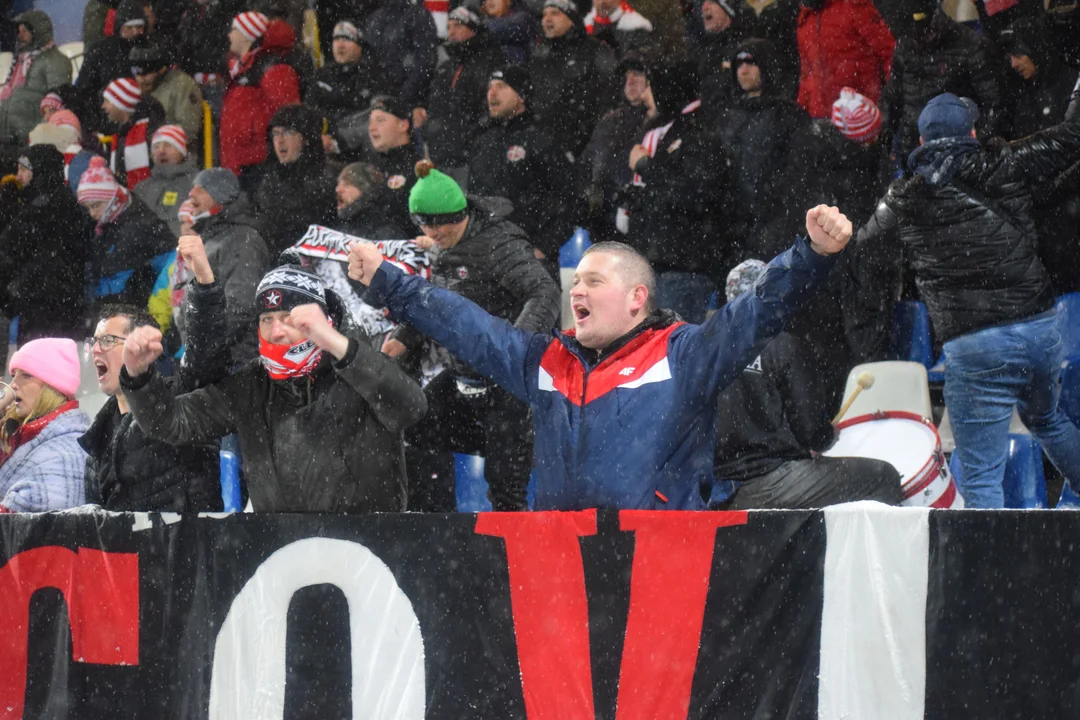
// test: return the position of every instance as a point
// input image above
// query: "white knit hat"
(124, 93)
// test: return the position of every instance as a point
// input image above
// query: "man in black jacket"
(487, 259)
(319, 418)
(342, 91)
(43, 252)
(515, 159)
(125, 469)
(964, 224)
(108, 59)
(393, 153)
(297, 188)
(361, 205)
(772, 422)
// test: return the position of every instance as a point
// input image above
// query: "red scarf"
(21, 69)
(288, 361)
(32, 429)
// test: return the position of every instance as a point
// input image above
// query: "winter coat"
(625, 30)
(457, 104)
(342, 94)
(575, 81)
(712, 60)
(398, 166)
(280, 37)
(633, 426)
(776, 410)
(515, 159)
(264, 84)
(515, 32)
(604, 161)
(1040, 102)
(678, 219)
(166, 190)
(760, 134)
(20, 112)
(103, 63)
(352, 411)
(131, 152)
(845, 43)
(43, 253)
(299, 194)
(127, 257)
(371, 218)
(402, 36)
(947, 57)
(203, 37)
(493, 266)
(45, 472)
(969, 236)
(776, 22)
(239, 257)
(182, 100)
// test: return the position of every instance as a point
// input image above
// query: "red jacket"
(844, 44)
(263, 84)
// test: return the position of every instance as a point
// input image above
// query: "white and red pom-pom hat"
(856, 116)
(97, 183)
(251, 25)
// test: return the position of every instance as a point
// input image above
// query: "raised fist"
(141, 349)
(313, 324)
(191, 248)
(364, 260)
(828, 228)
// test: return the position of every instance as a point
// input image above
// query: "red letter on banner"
(102, 594)
(551, 613)
(673, 554)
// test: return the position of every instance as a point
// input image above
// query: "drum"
(908, 442)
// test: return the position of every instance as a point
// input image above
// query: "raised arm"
(490, 345)
(1048, 152)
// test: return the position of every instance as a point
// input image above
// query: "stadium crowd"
(342, 256)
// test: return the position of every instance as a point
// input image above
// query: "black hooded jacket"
(43, 252)
(342, 94)
(106, 61)
(458, 100)
(298, 194)
(967, 232)
(326, 442)
(370, 217)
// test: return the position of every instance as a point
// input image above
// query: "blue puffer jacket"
(634, 430)
(46, 472)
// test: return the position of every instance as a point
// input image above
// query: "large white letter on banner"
(248, 678)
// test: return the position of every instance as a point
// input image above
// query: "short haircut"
(137, 316)
(633, 267)
(366, 178)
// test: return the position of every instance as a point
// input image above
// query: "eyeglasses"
(107, 342)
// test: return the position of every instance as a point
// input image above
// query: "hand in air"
(828, 228)
(141, 349)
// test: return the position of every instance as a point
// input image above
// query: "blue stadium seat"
(910, 336)
(570, 253)
(470, 487)
(1024, 483)
(230, 481)
(1069, 500)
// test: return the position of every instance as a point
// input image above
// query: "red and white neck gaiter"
(288, 361)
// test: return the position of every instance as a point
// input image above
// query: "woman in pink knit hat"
(42, 464)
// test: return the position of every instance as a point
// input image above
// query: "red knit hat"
(68, 118)
(97, 183)
(856, 116)
(251, 24)
(124, 93)
(173, 135)
(51, 100)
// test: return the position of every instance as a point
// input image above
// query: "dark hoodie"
(458, 101)
(1041, 101)
(402, 36)
(295, 195)
(43, 252)
(106, 61)
(342, 93)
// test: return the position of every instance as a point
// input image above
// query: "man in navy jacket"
(624, 405)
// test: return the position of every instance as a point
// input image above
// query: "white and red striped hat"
(251, 24)
(97, 183)
(51, 101)
(856, 116)
(173, 135)
(124, 93)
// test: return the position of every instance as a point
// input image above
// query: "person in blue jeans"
(963, 222)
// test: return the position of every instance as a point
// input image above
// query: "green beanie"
(435, 193)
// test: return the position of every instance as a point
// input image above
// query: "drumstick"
(864, 381)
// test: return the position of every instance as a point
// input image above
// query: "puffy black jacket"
(677, 219)
(398, 166)
(298, 194)
(371, 218)
(458, 101)
(604, 163)
(515, 159)
(945, 57)
(43, 253)
(327, 442)
(203, 37)
(342, 94)
(575, 81)
(493, 266)
(128, 255)
(776, 410)
(402, 36)
(969, 236)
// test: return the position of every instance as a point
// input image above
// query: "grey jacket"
(166, 190)
(182, 99)
(20, 112)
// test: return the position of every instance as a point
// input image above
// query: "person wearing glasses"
(41, 463)
(126, 469)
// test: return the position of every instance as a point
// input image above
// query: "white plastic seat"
(74, 51)
(6, 59)
(898, 385)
